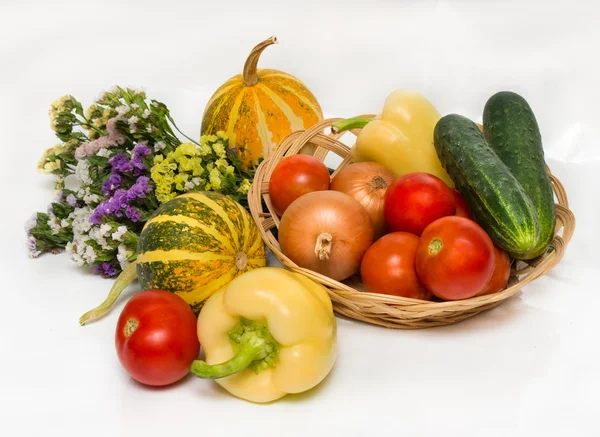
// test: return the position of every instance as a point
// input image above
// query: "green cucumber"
(495, 197)
(511, 130)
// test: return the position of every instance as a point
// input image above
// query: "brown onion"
(327, 232)
(366, 182)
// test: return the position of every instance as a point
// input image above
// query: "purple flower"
(105, 269)
(31, 223)
(141, 150)
(133, 214)
(32, 246)
(139, 189)
(120, 163)
(71, 200)
(111, 184)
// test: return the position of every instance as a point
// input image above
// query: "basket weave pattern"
(348, 297)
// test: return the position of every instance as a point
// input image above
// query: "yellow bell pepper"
(268, 333)
(401, 138)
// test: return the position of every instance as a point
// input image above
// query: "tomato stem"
(435, 246)
(126, 277)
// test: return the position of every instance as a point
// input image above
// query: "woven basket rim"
(381, 309)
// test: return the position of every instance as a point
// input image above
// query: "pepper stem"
(126, 277)
(250, 67)
(350, 123)
(254, 346)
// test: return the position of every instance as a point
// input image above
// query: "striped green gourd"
(192, 246)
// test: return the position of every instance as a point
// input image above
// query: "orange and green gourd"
(258, 108)
(192, 246)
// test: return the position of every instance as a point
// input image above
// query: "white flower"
(196, 181)
(87, 196)
(132, 120)
(64, 223)
(118, 234)
(82, 172)
(89, 255)
(104, 229)
(135, 106)
(81, 221)
(147, 113)
(122, 110)
(160, 145)
(189, 185)
(54, 223)
(149, 128)
(122, 255)
(104, 152)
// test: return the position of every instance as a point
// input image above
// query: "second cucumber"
(495, 197)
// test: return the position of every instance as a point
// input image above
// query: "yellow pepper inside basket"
(401, 138)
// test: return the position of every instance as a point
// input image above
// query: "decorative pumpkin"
(258, 108)
(192, 246)
(196, 243)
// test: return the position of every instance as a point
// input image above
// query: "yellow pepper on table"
(268, 333)
(401, 138)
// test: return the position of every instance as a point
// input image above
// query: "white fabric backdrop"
(529, 367)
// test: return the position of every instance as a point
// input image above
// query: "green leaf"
(77, 105)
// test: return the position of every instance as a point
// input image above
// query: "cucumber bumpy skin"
(495, 197)
(512, 131)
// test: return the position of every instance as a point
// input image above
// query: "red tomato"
(295, 176)
(462, 209)
(455, 258)
(156, 337)
(415, 200)
(501, 272)
(388, 267)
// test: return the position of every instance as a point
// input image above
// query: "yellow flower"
(230, 169)
(221, 134)
(52, 166)
(180, 180)
(91, 111)
(187, 149)
(219, 149)
(215, 178)
(221, 163)
(244, 187)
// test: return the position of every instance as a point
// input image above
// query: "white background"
(529, 367)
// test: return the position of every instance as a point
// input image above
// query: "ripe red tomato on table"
(501, 272)
(415, 200)
(156, 337)
(388, 267)
(295, 176)
(455, 258)
(462, 209)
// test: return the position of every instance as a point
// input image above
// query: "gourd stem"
(350, 123)
(323, 246)
(252, 348)
(250, 67)
(126, 277)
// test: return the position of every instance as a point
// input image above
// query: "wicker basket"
(348, 297)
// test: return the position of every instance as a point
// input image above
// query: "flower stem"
(126, 277)
(350, 123)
